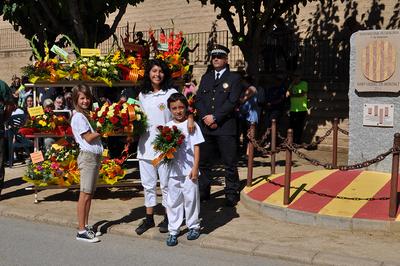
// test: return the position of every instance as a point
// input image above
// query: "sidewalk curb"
(215, 242)
(313, 219)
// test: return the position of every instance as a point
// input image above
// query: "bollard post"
(273, 146)
(288, 168)
(395, 176)
(335, 142)
(250, 156)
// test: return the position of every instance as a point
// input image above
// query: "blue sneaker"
(193, 234)
(172, 240)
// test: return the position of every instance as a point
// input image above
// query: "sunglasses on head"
(219, 56)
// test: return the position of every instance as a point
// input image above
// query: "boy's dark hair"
(177, 97)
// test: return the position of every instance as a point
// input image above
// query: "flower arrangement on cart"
(60, 167)
(170, 50)
(121, 118)
(46, 123)
(114, 67)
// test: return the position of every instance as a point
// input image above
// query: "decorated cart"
(57, 167)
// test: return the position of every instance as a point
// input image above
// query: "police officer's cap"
(219, 50)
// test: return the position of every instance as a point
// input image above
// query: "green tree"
(84, 21)
(249, 20)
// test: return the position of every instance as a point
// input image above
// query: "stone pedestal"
(366, 142)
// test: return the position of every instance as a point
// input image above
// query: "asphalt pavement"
(238, 230)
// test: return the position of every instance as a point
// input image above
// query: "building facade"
(324, 31)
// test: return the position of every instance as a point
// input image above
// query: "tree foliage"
(249, 20)
(84, 21)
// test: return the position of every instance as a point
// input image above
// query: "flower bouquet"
(45, 68)
(48, 122)
(167, 141)
(170, 50)
(95, 68)
(120, 118)
(42, 123)
(111, 171)
(62, 152)
(43, 174)
(131, 68)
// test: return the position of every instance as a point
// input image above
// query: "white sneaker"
(90, 228)
(87, 236)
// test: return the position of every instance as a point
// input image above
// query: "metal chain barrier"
(314, 143)
(326, 195)
(294, 148)
(345, 132)
(367, 163)
(258, 145)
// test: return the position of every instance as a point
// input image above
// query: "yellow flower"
(110, 113)
(116, 56)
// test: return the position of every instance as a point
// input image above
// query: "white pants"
(148, 176)
(183, 199)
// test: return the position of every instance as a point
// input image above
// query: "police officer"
(216, 99)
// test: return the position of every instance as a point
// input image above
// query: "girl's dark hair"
(166, 82)
(177, 97)
(81, 88)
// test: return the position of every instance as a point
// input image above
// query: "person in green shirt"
(297, 92)
(6, 108)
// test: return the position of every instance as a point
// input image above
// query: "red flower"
(101, 120)
(179, 142)
(166, 130)
(168, 138)
(114, 120)
(160, 128)
(175, 128)
(104, 114)
(124, 122)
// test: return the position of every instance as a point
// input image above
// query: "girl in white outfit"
(183, 190)
(153, 99)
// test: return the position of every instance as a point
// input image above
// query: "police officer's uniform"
(219, 97)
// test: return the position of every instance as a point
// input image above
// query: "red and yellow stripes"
(326, 185)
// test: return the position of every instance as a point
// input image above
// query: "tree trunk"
(251, 54)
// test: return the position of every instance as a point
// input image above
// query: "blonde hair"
(85, 90)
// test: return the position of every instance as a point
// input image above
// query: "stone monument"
(374, 113)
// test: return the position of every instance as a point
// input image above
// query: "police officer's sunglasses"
(219, 56)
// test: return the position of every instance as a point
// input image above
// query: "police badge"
(225, 86)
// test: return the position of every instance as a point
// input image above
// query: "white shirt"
(80, 124)
(155, 107)
(182, 164)
(220, 73)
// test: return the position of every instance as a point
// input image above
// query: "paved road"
(29, 243)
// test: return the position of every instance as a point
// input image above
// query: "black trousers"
(226, 147)
(297, 124)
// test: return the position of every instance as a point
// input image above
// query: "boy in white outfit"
(183, 191)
